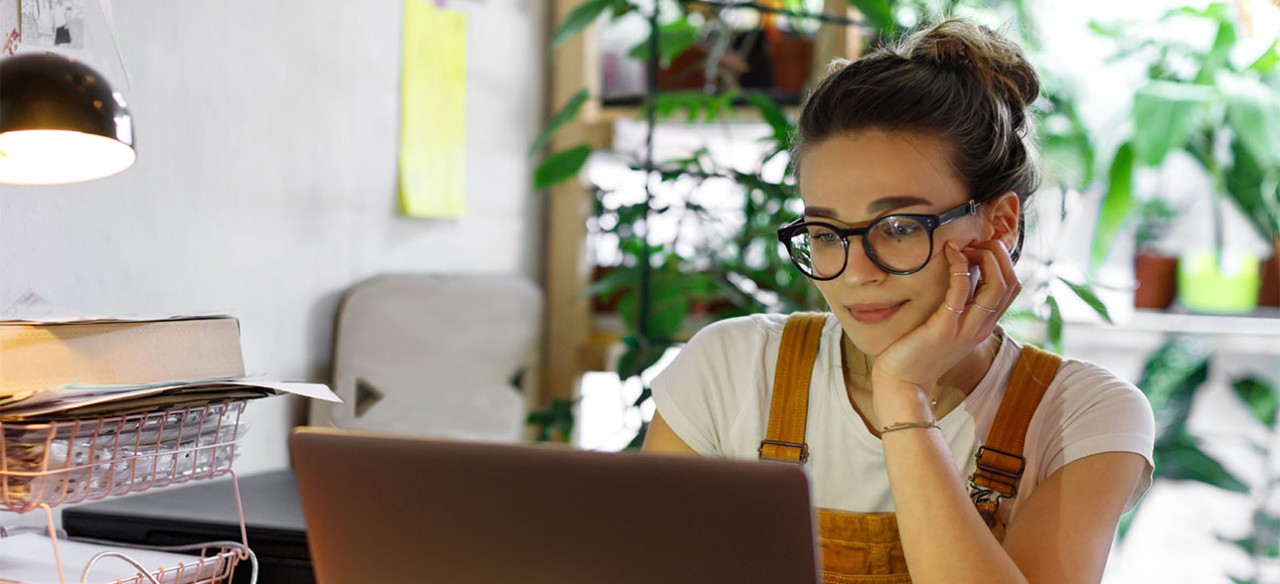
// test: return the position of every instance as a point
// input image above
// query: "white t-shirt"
(716, 394)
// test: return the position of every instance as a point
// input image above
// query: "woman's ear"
(1002, 214)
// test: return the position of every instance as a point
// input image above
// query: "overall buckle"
(801, 446)
(1000, 471)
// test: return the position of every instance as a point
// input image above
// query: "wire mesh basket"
(212, 565)
(65, 462)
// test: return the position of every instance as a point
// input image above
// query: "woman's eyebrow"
(875, 208)
(896, 202)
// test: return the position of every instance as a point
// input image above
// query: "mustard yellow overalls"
(864, 547)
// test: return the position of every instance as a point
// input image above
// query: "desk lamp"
(60, 122)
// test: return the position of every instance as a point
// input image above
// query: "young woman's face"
(851, 180)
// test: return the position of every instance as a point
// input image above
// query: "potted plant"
(1253, 188)
(1226, 117)
(1154, 269)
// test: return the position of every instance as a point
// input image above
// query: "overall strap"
(789, 406)
(1000, 460)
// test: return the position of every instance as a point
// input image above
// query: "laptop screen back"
(396, 509)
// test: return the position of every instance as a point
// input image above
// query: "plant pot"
(687, 71)
(1269, 291)
(1157, 279)
(1222, 285)
(792, 58)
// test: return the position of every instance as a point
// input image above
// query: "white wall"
(266, 180)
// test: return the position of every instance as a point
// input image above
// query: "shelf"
(1255, 333)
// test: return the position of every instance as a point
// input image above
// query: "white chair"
(434, 356)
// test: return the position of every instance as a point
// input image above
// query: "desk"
(206, 511)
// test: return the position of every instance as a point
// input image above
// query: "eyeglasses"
(897, 244)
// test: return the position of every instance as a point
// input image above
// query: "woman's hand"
(904, 374)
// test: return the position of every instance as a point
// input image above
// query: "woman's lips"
(874, 313)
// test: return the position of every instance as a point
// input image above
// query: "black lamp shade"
(60, 122)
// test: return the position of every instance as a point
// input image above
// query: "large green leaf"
(1116, 204)
(1253, 112)
(1085, 292)
(578, 19)
(1053, 324)
(674, 37)
(567, 112)
(1164, 114)
(561, 166)
(877, 13)
(1219, 55)
(1253, 189)
(1266, 63)
(637, 356)
(1260, 397)
(1183, 460)
(1170, 379)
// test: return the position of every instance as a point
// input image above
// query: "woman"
(915, 165)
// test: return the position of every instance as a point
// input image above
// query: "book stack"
(89, 368)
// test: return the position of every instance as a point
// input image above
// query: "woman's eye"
(901, 229)
(824, 237)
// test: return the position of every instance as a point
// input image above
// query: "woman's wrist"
(902, 403)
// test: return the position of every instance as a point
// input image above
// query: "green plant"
(1172, 379)
(1197, 100)
(1152, 222)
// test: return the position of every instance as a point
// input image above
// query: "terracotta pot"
(792, 57)
(1157, 278)
(1269, 292)
(685, 72)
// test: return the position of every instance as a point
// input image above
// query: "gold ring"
(955, 310)
(965, 274)
(981, 307)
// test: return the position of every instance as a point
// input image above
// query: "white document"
(63, 398)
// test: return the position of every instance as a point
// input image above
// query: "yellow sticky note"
(433, 111)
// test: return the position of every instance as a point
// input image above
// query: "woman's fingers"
(958, 288)
(999, 286)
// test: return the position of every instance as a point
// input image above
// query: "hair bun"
(997, 63)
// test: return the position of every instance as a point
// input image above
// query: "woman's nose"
(859, 269)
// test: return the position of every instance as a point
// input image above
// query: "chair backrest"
(434, 356)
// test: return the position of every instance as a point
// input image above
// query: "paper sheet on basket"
(99, 400)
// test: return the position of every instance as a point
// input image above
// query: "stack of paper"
(74, 368)
(71, 402)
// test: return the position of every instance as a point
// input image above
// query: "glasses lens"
(818, 251)
(901, 244)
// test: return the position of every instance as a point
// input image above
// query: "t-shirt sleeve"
(1099, 413)
(695, 393)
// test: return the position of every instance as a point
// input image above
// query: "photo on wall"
(53, 23)
(10, 26)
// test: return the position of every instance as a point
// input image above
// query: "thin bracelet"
(909, 425)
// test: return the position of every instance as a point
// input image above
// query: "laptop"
(394, 509)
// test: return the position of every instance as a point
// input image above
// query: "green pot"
(1229, 286)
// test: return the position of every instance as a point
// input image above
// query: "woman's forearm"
(944, 538)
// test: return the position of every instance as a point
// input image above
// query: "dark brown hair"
(956, 81)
